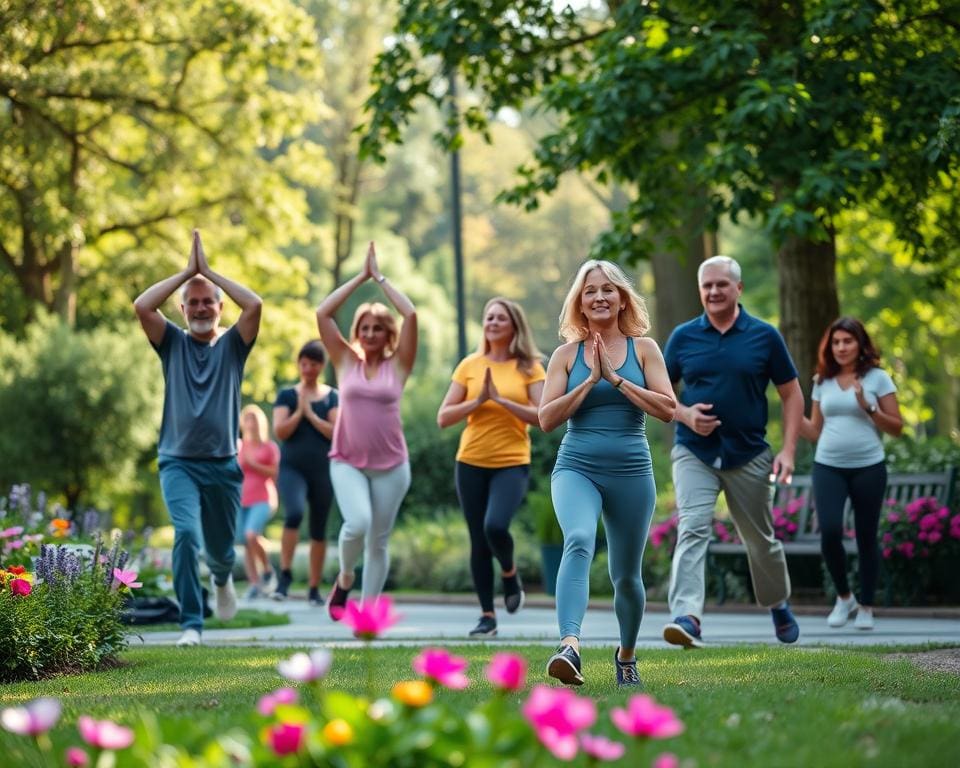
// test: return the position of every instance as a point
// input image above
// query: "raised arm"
(337, 346)
(557, 405)
(147, 304)
(406, 353)
(251, 305)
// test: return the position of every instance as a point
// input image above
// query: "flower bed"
(60, 603)
(306, 723)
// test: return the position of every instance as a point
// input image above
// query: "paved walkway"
(448, 622)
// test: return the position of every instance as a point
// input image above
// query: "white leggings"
(369, 500)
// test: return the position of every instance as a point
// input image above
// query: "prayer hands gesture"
(607, 369)
(488, 390)
(197, 263)
(370, 267)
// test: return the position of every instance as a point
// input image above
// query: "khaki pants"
(749, 496)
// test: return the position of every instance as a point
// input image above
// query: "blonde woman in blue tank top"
(603, 382)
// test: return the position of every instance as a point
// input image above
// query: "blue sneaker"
(564, 665)
(685, 631)
(626, 671)
(785, 625)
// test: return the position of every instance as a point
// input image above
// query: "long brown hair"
(522, 347)
(827, 365)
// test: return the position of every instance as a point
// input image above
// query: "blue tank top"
(607, 434)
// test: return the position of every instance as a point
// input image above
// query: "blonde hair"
(261, 417)
(522, 346)
(379, 312)
(633, 319)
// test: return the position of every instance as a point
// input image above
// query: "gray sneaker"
(564, 666)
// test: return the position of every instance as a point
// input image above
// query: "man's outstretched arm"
(251, 305)
(147, 304)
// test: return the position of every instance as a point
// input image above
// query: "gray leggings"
(369, 500)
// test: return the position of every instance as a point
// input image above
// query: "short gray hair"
(199, 280)
(733, 269)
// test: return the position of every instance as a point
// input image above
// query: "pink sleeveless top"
(368, 433)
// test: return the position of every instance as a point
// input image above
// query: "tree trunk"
(808, 299)
(677, 297)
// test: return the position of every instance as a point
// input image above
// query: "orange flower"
(60, 527)
(338, 733)
(413, 693)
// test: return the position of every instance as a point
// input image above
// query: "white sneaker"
(226, 599)
(864, 618)
(190, 637)
(840, 614)
(268, 582)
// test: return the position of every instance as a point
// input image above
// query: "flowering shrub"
(312, 725)
(66, 615)
(914, 540)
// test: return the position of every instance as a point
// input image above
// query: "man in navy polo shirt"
(199, 475)
(725, 359)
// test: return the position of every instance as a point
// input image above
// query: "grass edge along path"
(743, 706)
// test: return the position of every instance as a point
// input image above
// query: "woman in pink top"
(259, 459)
(368, 460)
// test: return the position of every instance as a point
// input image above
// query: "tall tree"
(122, 122)
(789, 112)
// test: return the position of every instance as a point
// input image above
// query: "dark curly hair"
(827, 365)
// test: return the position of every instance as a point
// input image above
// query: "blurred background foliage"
(125, 123)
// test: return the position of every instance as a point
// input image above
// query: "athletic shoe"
(864, 618)
(685, 631)
(268, 582)
(337, 600)
(626, 671)
(283, 586)
(842, 611)
(313, 597)
(785, 625)
(513, 594)
(564, 665)
(226, 599)
(252, 593)
(486, 627)
(188, 639)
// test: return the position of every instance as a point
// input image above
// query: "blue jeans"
(203, 499)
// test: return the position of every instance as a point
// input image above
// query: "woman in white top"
(854, 402)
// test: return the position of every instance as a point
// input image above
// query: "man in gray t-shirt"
(199, 475)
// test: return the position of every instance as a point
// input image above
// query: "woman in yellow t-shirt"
(497, 389)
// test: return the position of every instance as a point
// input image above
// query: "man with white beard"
(199, 475)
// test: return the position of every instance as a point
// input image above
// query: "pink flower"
(887, 538)
(507, 671)
(666, 760)
(77, 758)
(644, 718)
(20, 587)
(126, 578)
(7, 533)
(887, 552)
(556, 715)
(438, 665)
(36, 717)
(303, 668)
(104, 734)
(285, 738)
(934, 536)
(928, 521)
(943, 513)
(791, 527)
(906, 549)
(15, 544)
(893, 517)
(270, 701)
(371, 619)
(601, 748)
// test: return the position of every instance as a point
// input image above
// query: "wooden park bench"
(902, 488)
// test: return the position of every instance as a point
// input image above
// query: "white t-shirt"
(849, 437)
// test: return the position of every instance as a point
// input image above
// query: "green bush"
(67, 618)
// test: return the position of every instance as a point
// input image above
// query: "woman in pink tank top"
(369, 468)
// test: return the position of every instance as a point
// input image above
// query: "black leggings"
(489, 499)
(297, 489)
(865, 487)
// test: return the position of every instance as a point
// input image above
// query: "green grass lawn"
(246, 618)
(742, 706)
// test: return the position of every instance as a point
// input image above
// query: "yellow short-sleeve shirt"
(494, 437)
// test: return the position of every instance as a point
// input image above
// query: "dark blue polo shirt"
(730, 370)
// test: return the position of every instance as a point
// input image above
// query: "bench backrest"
(901, 487)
